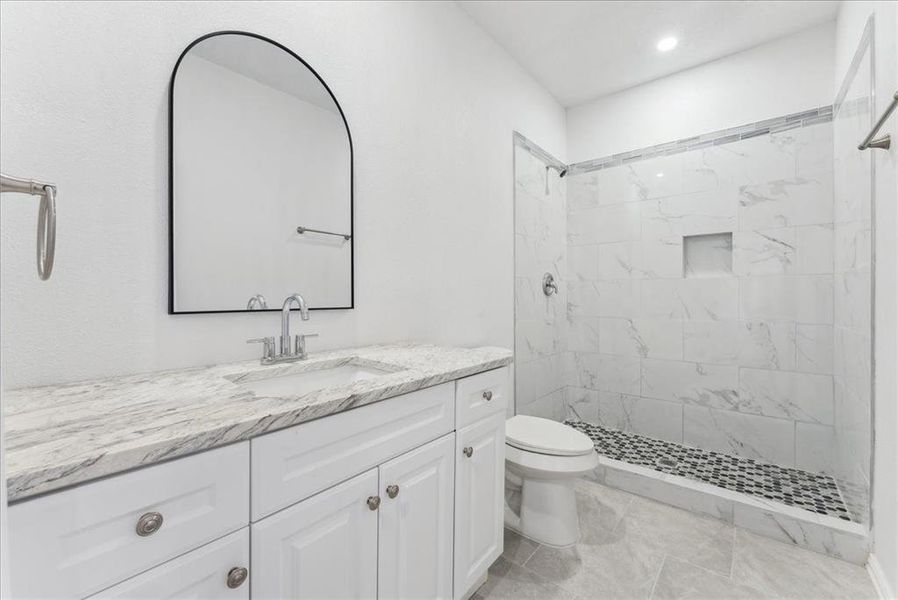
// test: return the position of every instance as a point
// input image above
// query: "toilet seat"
(542, 436)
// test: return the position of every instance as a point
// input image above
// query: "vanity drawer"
(77, 542)
(482, 395)
(217, 571)
(293, 464)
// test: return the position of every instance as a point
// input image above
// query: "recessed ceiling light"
(659, 174)
(667, 44)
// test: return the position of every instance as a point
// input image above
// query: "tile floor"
(634, 548)
(809, 491)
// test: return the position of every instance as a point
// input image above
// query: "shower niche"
(709, 255)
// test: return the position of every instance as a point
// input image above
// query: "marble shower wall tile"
(645, 416)
(803, 299)
(691, 383)
(603, 372)
(581, 404)
(582, 334)
(814, 347)
(540, 321)
(604, 224)
(761, 438)
(815, 448)
(747, 351)
(786, 202)
(618, 298)
(711, 299)
(765, 252)
(801, 397)
(763, 345)
(641, 337)
(692, 214)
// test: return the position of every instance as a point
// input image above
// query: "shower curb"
(824, 534)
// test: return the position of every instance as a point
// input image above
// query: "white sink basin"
(298, 384)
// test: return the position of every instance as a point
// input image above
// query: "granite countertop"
(61, 435)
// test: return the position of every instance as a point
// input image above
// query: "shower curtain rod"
(885, 141)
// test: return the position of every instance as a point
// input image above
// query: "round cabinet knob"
(373, 502)
(236, 577)
(392, 491)
(148, 524)
(488, 395)
(468, 451)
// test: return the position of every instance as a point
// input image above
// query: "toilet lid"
(535, 434)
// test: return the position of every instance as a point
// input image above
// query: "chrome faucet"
(285, 322)
(257, 300)
(290, 350)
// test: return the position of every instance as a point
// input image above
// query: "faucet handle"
(300, 343)
(267, 346)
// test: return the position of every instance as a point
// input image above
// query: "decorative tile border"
(537, 151)
(824, 114)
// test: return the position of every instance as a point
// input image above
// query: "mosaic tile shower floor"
(809, 491)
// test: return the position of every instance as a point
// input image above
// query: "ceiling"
(582, 50)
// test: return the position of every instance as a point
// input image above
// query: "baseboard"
(879, 580)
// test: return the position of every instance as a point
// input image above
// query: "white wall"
(849, 25)
(431, 102)
(235, 236)
(789, 75)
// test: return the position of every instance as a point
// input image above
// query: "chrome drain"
(667, 462)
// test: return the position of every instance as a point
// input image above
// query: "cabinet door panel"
(201, 574)
(479, 500)
(415, 533)
(322, 547)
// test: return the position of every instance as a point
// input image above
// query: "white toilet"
(543, 459)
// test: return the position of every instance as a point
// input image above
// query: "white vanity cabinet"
(397, 499)
(479, 499)
(416, 523)
(322, 547)
(216, 571)
(77, 542)
(386, 533)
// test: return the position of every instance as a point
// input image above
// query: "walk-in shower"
(713, 316)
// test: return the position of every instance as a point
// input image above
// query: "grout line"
(538, 546)
(657, 577)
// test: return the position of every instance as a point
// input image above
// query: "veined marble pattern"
(732, 346)
(61, 435)
(711, 322)
(541, 247)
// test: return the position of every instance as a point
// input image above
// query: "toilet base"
(549, 511)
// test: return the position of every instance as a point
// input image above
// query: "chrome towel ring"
(46, 218)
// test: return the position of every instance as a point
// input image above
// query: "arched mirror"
(260, 180)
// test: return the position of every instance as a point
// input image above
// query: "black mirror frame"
(171, 181)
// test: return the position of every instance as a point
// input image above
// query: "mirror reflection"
(261, 194)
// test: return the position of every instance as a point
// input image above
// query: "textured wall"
(740, 362)
(431, 101)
